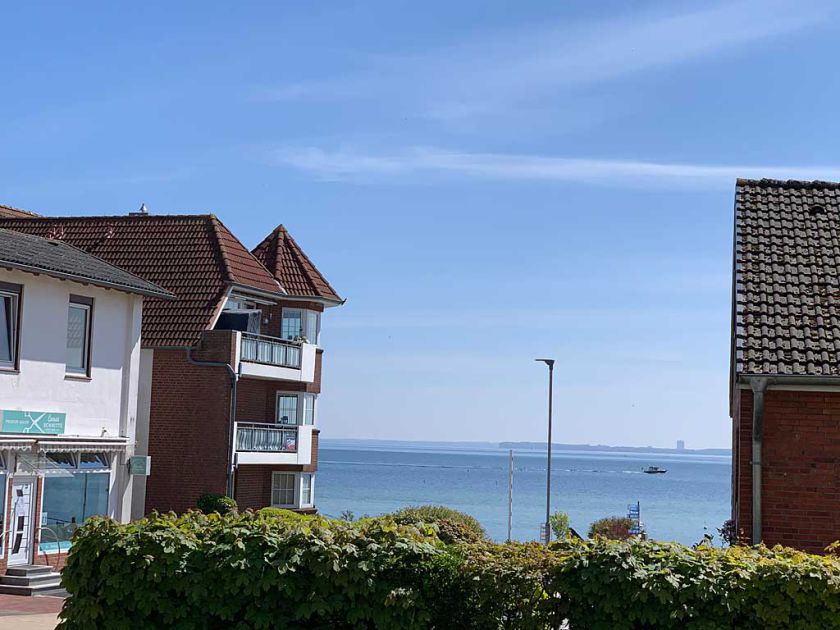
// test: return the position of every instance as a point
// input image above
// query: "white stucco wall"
(106, 404)
(144, 403)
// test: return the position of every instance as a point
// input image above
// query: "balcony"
(267, 357)
(269, 443)
(270, 350)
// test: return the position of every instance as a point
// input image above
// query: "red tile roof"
(285, 259)
(194, 256)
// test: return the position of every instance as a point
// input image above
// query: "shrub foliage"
(612, 527)
(271, 570)
(452, 526)
(212, 502)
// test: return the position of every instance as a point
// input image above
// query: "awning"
(83, 446)
(16, 444)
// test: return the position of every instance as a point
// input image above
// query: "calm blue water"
(693, 495)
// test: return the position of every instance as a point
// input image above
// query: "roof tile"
(787, 277)
(193, 256)
(291, 266)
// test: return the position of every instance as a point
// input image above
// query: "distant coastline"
(518, 446)
(540, 446)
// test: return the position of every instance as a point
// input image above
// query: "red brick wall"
(253, 484)
(188, 432)
(216, 345)
(256, 399)
(801, 468)
(315, 443)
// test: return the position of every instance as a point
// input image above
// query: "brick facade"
(188, 431)
(800, 471)
(253, 484)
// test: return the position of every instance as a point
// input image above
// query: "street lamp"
(550, 364)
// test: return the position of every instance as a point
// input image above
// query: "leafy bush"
(452, 526)
(212, 502)
(269, 570)
(245, 570)
(612, 527)
(560, 524)
(285, 515)
(649, 584)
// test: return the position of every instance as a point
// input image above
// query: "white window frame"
(86, 353)
(311, 501)
(295, 489)
(301, 401)
(14, 292)
(305, 313)
(298, 489)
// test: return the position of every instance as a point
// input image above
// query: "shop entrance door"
(21, 527)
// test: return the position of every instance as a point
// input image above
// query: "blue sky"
(486, 182)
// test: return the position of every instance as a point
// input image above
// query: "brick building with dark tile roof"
(230, 369)
(785, 363)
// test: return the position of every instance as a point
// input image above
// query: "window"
(306, 490)
(287, 405)
(282, 489)
(313, 326)
(88, 461)
(60, 461)
(291, 325)
(69, 500)
(78, 335)
(9, 324)
(309, 409)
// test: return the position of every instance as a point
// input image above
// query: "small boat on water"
(654, 470)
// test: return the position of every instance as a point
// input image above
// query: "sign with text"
(47, 422)
(140, 465)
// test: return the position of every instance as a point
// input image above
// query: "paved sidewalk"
(29, 613)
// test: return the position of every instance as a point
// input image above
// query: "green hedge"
(452, 526)
(274, 570)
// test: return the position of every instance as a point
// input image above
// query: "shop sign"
(46, 422)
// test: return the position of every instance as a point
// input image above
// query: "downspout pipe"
(759, 387)
(234, 379)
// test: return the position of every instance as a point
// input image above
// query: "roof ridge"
(788, 183)
(14, 209)
(109, 217)
(218, 226)
(298, 251)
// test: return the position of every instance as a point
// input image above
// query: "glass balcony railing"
(266, 438)
(269, 350)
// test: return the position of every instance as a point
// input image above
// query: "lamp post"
(550, 364)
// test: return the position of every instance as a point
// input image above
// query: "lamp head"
(548, 362)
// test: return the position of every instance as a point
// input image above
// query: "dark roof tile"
(787, 278)
(193, 256)
(55, 258)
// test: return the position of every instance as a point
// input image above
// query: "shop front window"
(70, 499)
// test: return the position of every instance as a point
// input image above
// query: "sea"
(372, 478)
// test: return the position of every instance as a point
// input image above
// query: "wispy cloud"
(354, 166)
(493, 71)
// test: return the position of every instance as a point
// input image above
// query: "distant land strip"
(540, 446)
